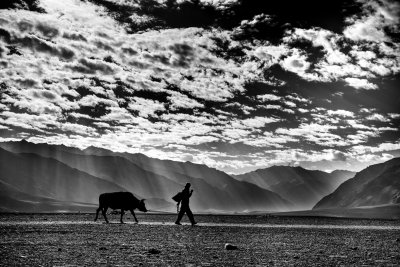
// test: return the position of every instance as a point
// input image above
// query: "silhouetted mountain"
(46, 177)
(14, 200)
(342, 175)
(302, 187)
(153, 178)
(376, 185)
(242, 195)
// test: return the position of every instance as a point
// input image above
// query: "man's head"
(187, 186)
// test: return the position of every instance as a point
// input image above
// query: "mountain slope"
(214, 190)
(14, 200)
(302, 187)
(47, 177)
(376, 185)
(241, 193)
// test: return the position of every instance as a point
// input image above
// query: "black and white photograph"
(199, 133)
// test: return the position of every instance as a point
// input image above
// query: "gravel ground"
(74, 240)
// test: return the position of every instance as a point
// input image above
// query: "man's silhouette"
(185, 195)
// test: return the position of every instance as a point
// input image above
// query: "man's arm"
(191, 192)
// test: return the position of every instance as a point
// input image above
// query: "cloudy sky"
(236, 85)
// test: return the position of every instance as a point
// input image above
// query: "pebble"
(229, 246)
(154, 251)
(102, 248)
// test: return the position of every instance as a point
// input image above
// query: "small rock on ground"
(229, 246)
(154, 251)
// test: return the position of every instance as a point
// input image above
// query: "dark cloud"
(37, 44)
(173, 14)
(74, 36)
(26, 82)
(5, 35)
(91, 66)
(97, 111)
(32, 5)
(3, 64)
(47, 30)
(13, 50)
(129, 51)
(223, 48)
(185, 54)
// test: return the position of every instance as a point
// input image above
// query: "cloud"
(341, 113)
(320, 38)
(268, 97)
(383, 147)
(179, 100)
(296, 62)
(360, 83)
(394, 115)
(377, 117)
(90, 66)
(266, 91)
(376, 19)
(270, 54)
(78, 129)
(146, 107)
(315, 133)
(258, 122)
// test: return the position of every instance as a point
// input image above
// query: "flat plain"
(75, 240)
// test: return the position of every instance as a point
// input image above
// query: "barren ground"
(74, 239)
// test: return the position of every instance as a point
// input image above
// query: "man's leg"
(180, 215)
(190, 215)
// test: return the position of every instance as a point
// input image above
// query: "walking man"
(185, 195)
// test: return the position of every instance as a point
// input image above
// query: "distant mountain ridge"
(302, 187)
(43, 177)
(147, 177)
(376, 185)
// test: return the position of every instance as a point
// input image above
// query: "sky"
(236, 85)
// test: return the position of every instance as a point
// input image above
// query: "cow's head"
(142, 206)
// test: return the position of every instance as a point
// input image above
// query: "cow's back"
(118, 200)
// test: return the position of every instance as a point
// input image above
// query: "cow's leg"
(104, 211)
(122, 214)
(134, 216)
(97, 213)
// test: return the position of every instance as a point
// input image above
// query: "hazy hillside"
(46, 177)
(302, 187)
(153, 178)
(376, 185)
(14, 200)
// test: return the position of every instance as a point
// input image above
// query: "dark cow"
(119, 200)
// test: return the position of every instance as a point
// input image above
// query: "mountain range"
(46, 178)
(69, 174)
(377, 185)
(302, 187)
